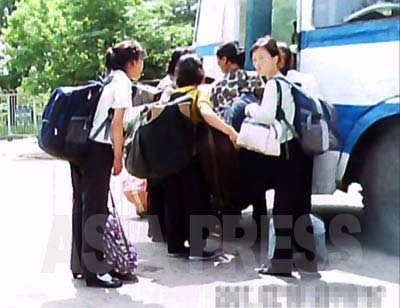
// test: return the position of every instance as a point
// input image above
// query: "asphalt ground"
(35, 194)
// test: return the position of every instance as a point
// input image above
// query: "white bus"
(351, 47)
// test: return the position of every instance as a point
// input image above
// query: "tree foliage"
(6, 8)
(59, 42)
(283, 15)
(63, 42)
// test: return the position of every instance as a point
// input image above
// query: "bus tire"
(380, 180)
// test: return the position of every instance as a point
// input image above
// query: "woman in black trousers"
(290, 172)
(185, 192)
(91, 177)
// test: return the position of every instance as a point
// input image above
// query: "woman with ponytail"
(124, 63)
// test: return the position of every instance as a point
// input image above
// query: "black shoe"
(77, 275)
(184, 253)
(124, 277)
(204, 256)
(104, 281)
(270, 271)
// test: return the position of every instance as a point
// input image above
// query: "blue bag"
(315, 121)
(234, 114)
(68, 118)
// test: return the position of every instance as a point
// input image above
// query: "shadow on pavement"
(95, 297)
(350, 253)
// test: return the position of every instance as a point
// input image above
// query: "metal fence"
(20, 115)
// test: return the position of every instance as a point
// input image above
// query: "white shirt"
(167, 85)
(307, 82)
(266, 112)
(117, 94)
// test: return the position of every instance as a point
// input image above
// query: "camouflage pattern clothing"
(231, 86)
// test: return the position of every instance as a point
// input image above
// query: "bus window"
(335, 12)
(217, 22)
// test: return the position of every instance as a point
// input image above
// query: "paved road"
(36, 202)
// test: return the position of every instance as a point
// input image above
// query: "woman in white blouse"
(91, 178)
(286, 172)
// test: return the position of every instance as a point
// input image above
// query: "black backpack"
(68, 118)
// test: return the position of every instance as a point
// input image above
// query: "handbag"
(135, 190)
(261, 138)
(163, 143)
(119, 251)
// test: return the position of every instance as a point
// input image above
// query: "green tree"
(162, 26)
(6, 8)
(58, 42)
(283, 15)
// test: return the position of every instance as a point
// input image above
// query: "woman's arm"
(117, 131)
(215, 121)
(266, 112)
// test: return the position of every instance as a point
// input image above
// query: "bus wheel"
(380, 179)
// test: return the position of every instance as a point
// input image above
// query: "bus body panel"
(357, 67)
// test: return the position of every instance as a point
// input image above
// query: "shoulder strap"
(107, 124)
(280, 113)
(119, 221)
(181, 99)
(107, 121)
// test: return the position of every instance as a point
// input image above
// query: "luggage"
(68, 118)
(319, 238)
(315, 121)
(261, 138)
(135, 190)
(234, 114)
(163, 143)
(119, 251)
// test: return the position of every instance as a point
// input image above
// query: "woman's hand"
(249, 109)
(215, 121)
(233, 135)
(117, 166)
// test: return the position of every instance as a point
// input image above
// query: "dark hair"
(232, 53)
(118, 55)
(294, 37)
(287, 59)
(268, 43)
(175, 58)
(189, 71)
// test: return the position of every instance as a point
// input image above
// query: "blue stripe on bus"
(348, 115)
(349, 34)
(354, 120)
(209, 50)
(206, 50)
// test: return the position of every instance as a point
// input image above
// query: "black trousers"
(255, 180)
(185, 197)
(292, 177)
(155, 210)
(90, 183)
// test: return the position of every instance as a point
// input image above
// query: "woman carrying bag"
(285, 171)
(184, 191)
(91, 179)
